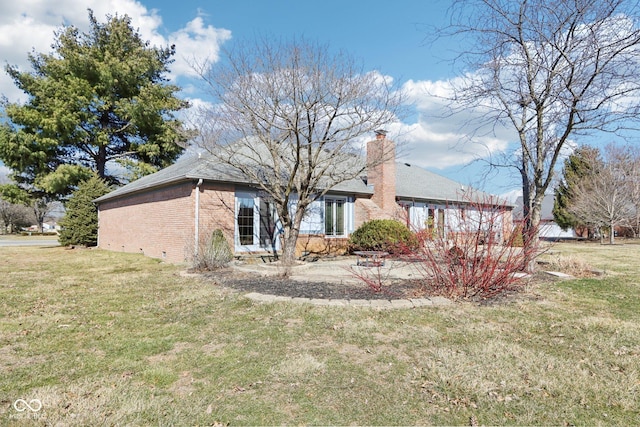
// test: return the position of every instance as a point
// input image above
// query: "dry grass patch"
(569, 264)
(619, 258)
(298, 365)
(107, 338)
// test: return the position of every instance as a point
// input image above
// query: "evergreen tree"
(101, 97)
(577, 167)
(80, 223)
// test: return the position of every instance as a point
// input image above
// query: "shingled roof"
(412, 182)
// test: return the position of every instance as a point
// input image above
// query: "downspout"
(196, 237)
(98, 238)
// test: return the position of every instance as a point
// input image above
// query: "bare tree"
(550, 70)
(601, 198)
(289, 117)
(39, 203)
(13, 216)
(627, 160)
(41, 208)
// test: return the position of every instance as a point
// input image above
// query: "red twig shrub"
(478, 258)
(373, 277)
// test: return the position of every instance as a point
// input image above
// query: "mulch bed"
(402, 289)
(274, 285)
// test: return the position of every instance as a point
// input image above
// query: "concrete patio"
(339, 269)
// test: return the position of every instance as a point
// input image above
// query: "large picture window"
(431, 221)
(334, 217)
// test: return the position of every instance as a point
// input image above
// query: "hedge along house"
(170, 213)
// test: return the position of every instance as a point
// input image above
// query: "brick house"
(165, 215)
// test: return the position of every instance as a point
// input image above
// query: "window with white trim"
(334, 216)
(245, 219)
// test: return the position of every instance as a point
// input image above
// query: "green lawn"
(119, 339)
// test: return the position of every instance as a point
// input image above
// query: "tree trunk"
(290, 239)
(39, 218)
(289, 246)
(101, 161)
(532, 210)
(612, 236)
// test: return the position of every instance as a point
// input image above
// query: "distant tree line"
(599, 191)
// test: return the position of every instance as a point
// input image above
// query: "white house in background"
(549, 229)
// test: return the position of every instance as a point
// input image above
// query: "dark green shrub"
(382, 235)
(80, 222)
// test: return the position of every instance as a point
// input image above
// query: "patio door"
(256, 228)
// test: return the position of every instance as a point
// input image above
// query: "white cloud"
(431, 140)
(440, 140)
(199, 42)
(29, 25)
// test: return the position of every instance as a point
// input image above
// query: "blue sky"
(387, 37)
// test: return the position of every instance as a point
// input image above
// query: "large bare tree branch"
(550, 70)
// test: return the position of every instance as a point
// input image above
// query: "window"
(245, 220)
(334, 217)
(256, 223)
(431, 221)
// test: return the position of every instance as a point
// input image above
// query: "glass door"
(256, 224)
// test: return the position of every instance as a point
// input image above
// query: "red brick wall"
(507, 225)
(160, 223)
(381, 173)
(217, 211)
(157, 223)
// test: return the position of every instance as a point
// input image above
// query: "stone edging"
(379, 304)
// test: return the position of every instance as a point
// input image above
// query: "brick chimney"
(381, 172)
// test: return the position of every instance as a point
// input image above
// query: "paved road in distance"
(27, 242)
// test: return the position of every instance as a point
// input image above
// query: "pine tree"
(99, 99)
(576, 168)
(80, 223)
